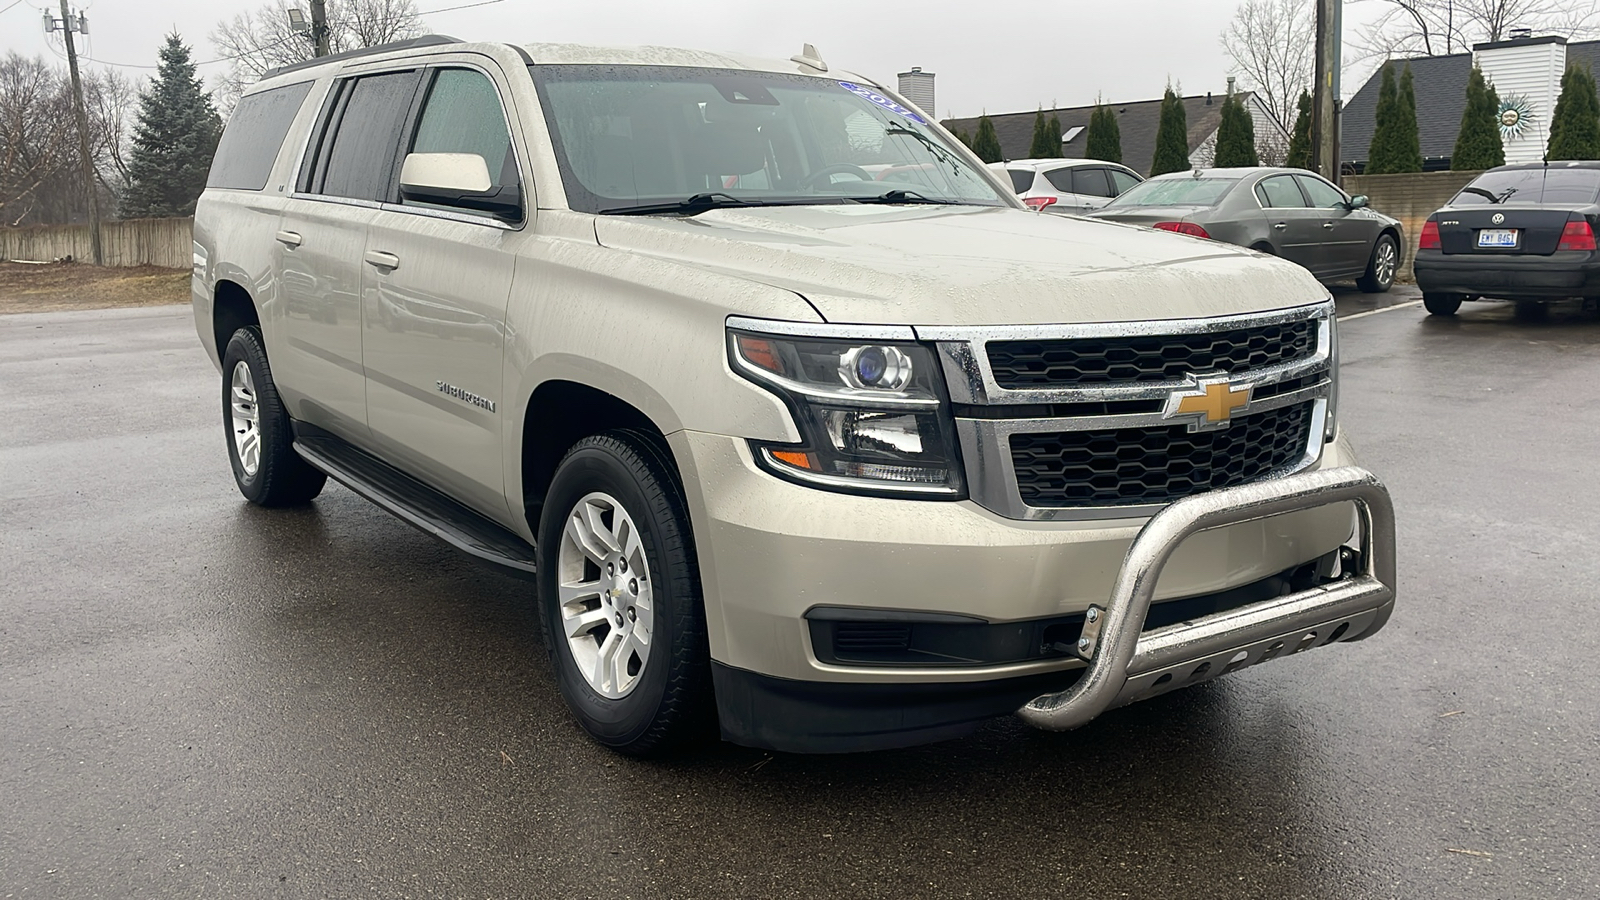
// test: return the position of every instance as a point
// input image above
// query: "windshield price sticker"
(875, 97)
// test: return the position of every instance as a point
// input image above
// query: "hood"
(1145, 215)
(936, 265)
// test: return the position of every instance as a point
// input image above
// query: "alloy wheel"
(246, 419)
(605, 595)
(1384, 266)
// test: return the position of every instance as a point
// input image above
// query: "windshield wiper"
(903, 196)
(695, 204)
(1492, 198)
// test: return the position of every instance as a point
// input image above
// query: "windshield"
(1176, 192)
(1539, 185)
(633, 137)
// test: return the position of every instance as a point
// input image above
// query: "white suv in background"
(1067, 185)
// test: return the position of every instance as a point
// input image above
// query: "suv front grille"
(1130, 466)
(1134, 359)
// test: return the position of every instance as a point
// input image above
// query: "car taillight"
(1430, 236)
(1577, 236)
(1039, 203)
(1188, 228)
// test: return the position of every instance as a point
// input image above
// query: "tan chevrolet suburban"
(795, 418)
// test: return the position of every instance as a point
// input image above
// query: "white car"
(1066, 185)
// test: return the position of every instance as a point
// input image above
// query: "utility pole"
(319, 25)
(1325, 92)
(69, 25)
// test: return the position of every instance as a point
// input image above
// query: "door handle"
(1327, 224)
(289, 238)
(1280, 225)
(381, 260)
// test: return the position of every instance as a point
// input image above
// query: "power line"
(9, 5)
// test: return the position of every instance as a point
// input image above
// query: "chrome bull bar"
(1128, 664)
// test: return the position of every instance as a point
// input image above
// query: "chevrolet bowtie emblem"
(1209, 404)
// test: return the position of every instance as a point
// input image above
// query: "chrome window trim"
(333, 198)
(992, 477)
(963, 354)
(451, 215)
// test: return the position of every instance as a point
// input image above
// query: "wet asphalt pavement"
(199, 698)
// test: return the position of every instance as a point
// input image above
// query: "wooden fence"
(128, 242)
(1410, 198)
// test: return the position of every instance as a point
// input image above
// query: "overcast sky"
(1000, 58)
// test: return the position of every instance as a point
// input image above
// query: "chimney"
(1208, 98)
(1230, 85)
(917, 86)
(1521, 32)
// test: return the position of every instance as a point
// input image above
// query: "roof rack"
(427, 40)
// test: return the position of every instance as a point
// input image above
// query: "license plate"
(1497, 237)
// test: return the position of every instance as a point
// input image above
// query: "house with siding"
(1137, 123)
(1526, 72)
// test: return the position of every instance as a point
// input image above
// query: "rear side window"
(1279, 192)
(1060, 179)
(356, 156)
(1021, 179)
(254, 135)
(1091, 182)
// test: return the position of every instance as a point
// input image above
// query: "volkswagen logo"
(1498, 218)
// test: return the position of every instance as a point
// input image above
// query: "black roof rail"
(427, 40)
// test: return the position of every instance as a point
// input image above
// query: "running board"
(414, 502)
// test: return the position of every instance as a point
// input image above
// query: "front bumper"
(1508, 277)
(771, 552)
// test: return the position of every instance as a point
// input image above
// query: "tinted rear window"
(1187, 191)
(250, 143)
(364, 147)
(1541, 185)
(1021, 179)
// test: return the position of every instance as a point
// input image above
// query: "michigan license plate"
(1497, 237)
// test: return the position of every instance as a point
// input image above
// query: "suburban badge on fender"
(464, 396)
(1209, 404)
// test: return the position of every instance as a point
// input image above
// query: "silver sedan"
(1290, 213)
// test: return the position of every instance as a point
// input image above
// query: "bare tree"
(1442, 27)
(36, 137)
(262, 40)
(1272, 45)
(112, 99)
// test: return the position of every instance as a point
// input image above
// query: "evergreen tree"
(1395, 144)
(1300, 141)
(1478, 143)
(1172, 137)
(1575, 126)
(173, 141)
(1380, 153)
(1236, 135)
(1410, 137)
(1105, 137)
(1039, 148)
(987, 144)
(1053, 132)
(964, 137)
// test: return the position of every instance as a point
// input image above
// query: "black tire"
(671, 702)
(281, 477)
(1442, 304)
(1264, 248)
(1532, 310)
(1375, 282)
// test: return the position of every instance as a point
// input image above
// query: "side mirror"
(457, 179)
(1359, 201)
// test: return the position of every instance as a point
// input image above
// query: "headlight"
(1332, 428)
(871, 414)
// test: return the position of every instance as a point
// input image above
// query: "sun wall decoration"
(1517, 117)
